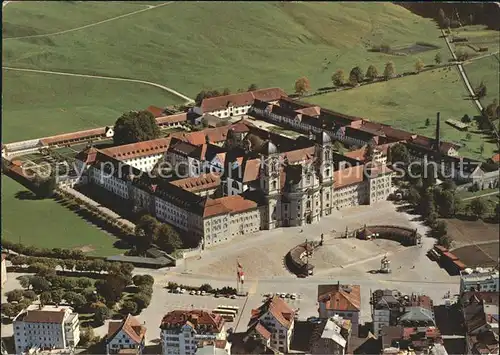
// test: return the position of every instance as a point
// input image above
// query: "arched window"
(274, 185)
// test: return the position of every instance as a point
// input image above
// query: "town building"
(4, 269)
(126, 336)
(331, 336)
(386, 309)
(217, 347)
(480, 311)
(411, 340)
(273, 323)
(236, 180)
(42, 328)
(236, 104)
(183, 332)
(391, 308)
(479, 279)
(341, 300)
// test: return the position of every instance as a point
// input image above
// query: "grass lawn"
(37, 105)
(485, 70)
(477, 36)
(407, 102)
(38, 18)
(466, 194)
(45, 223)
(189, 46)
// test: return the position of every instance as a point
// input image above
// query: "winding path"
(165, 88)
(89, 25)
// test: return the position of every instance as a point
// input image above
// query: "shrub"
(129, 307)
(142, 300)
(14, 295)
(29, 294)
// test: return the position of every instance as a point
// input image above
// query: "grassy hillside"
(485, 70)
(38, 17)
(37, 105)
(193, 45)
(407, 103)
(44, 223)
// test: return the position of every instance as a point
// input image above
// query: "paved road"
(172, 91)
(89, 25)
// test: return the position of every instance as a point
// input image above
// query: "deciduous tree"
(438, 58)
(338, 78)
(478, 208)
(129, 307)
(101, 314)
(419, 65)
(14, 295)
(168, 238)
(45, 297)
(389, 70)
(302, 85)
(371, 73)
(134, 127)
(355, 76)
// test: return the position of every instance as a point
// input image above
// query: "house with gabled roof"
(182, 332)
(273, 323)
(342, 300)
(237, 104)
(125, 337)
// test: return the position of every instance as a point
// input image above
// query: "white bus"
(230, 308)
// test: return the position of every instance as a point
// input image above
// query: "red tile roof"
(340, 297)
(259, 328)
(134, 150)
(349, 176)
(496, 158)
(358, 154)
(251, 170)
(228, 204)
(278, 308)
(39, 316)
(156, 111)
(130, 326)
(199, 183)
(295, 156)
(242, 99)
(195, 317)
(74, 135)
(181, 117)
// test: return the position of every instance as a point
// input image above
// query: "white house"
(274, 321)
(480, 279)
(183, 332)
(236, 104)
(46, 327)
(126, 334)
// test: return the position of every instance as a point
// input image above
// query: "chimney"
(438, 132)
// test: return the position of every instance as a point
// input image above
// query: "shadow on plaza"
(449, 320)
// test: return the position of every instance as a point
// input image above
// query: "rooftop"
(340, 297)
(130, 326)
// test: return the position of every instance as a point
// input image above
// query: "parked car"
(217, 295)
(233, 297)
(203, 293)
(282, 295)
(198, 293)
(183, 291)
(192, 293)
(288, 295)
(293, 296)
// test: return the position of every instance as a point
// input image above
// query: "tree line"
(357, 76)
(433, 202)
